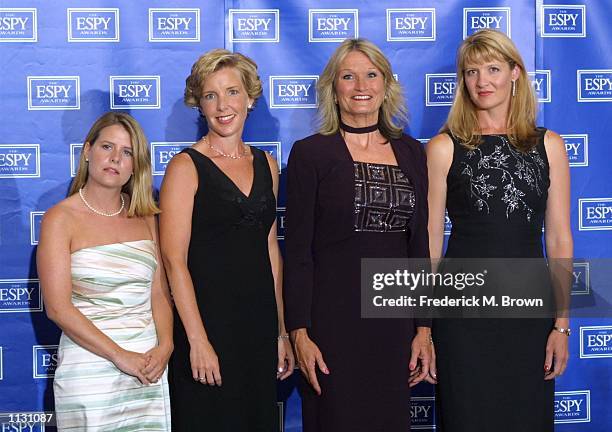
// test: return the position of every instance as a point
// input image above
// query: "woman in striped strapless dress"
(104, 286)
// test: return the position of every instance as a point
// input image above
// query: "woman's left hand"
(557, 354)
(158, 360)
(421, 357)
(286, 360)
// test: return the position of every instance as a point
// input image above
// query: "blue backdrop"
(64, 63)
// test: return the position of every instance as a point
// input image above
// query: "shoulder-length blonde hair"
(392, 115)
(462, 122)
(139, 186)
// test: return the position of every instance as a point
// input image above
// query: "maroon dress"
(339, 211)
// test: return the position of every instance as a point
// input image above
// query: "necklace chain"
(221, 153)
(100, 212)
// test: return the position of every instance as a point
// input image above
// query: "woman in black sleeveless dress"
(501, 179)
(218, 235)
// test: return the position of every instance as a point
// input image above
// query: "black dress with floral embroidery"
(491, 371)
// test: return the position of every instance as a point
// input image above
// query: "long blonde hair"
(392, 115)
(139, 186)
(462, 122)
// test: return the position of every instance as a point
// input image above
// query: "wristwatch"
(565, 331)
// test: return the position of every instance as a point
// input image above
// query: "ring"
(202, 379)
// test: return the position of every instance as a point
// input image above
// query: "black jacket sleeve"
(298, 274)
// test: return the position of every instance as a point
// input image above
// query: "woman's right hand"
(132, 363)
(308, 356)
(204, 363)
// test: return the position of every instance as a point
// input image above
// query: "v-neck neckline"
(229, 179)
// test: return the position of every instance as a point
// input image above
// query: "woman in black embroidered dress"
(500, 178)
(357, 189)
(218, 238)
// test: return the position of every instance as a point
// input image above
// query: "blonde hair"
(214, 60)
(392, 115)
(462, 122)
(139, 186)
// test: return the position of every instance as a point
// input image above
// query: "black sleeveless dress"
(231, 272)
(491, 371)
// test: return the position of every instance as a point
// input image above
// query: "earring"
(513, 88)
(86, 160)
(250, 106)
(335, 100)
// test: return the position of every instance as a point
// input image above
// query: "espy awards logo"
(440, 89)
(594, 85)
(254, 25)
(18, 25)
(19, 160)
(44, 361)
(563, 21)
(20, 295)
(572, 406)
(411, 24)
(422, 412)
(93, 24)
(595, 214)
(174, 25)
(332, 25)
(54, 93)
(295, 91)
(494, 18)
(596, 342)
(135, 92)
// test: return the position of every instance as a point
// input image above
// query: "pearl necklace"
(219, 152)
(99, 212)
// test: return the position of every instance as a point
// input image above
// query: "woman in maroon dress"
(356, 189)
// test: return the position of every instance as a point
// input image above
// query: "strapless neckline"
(111, 244)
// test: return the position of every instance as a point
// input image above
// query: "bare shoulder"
(440, 142)
(63, 211)
(182, 170)
(440, 147)
(555, 147)
(180, 162)
(62, 217)
(553, 139)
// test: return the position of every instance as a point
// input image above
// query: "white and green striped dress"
(111, 285)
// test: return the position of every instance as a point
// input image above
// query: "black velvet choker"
(361, 130)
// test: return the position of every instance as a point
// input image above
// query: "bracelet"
(283, 336)
(565, 331)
